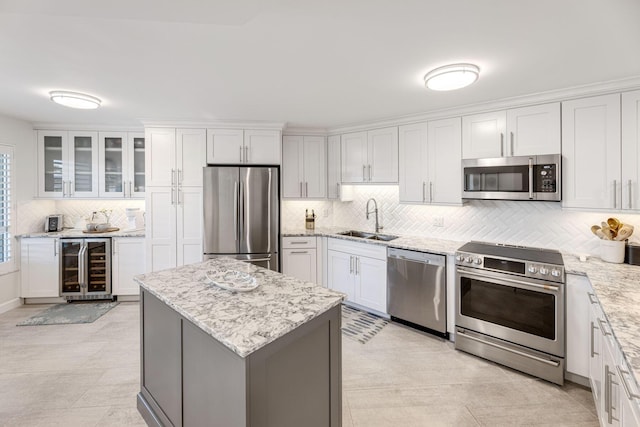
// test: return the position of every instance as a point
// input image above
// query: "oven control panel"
(550, 272)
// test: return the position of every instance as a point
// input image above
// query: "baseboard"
(10, 305)
(127, 298)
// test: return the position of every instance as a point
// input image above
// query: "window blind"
(6, 254)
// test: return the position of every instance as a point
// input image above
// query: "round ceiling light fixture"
(75, 100)
(451, 77)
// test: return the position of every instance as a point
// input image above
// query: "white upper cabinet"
(430, 167)
(67, 164)
(333, 167)
(237, 146)
(631, 150)
(303, 167)
(121, 164)
(591, 153)
(533, 130)
(175, 157)
(516, 132)
(370, 157)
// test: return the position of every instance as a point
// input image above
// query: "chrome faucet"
(375, 211)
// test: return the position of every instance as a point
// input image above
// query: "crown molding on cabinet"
(83, 127)
(296, 131)
(220, 124)
(565, 94)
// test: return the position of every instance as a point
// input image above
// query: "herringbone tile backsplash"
(538, 224)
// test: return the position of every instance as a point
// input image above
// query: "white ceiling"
(315, 63)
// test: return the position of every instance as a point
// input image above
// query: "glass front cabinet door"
(67, 164)
(121, 165)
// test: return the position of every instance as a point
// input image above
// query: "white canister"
(612, 251)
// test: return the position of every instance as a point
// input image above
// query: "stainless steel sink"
(369, 236)
(354, 233)
(383, 237)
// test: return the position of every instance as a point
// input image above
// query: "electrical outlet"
(438, 221)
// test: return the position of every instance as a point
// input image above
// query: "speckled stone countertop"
(617, 287)
(242, 321)
(425, 244)
(72, 232)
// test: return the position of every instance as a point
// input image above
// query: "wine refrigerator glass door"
(71, 268)
(98, 271)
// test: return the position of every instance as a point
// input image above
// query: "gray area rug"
(67, 313)
(360, 325)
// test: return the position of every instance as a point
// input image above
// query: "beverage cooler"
(85, 268)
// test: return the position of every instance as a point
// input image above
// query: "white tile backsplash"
(539, 224)
(31, 214)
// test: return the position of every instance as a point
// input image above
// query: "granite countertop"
(416, 243)
(617, 287)
(72, 232)
(242, 321)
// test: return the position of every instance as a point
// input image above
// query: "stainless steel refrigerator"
(242, 214)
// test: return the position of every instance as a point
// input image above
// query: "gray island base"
(212, 357)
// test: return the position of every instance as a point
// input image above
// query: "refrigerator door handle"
(236, 196)
(82, 266)
(241, 207)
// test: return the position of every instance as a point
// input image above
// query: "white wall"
(538, 224)
(20, 135)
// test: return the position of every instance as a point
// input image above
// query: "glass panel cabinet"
(121, 165)
(75, 164)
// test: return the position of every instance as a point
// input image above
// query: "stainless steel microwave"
(513, 178)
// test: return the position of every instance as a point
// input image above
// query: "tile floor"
(88, 375)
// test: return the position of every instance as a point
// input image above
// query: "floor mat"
(68, 313)
(360, 325)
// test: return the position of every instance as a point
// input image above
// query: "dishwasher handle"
(415, 256)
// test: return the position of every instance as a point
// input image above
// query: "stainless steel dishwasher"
(417, 289)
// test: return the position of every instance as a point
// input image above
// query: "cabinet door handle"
(625, 385)
(241, 154)
(124, 188)
(350, 265)
(300, 188)
(601, 324)
(172, 196)
(511, 143)
(357, 265)
(298, 242)
(369, 172)
(501, 144)
(363, 171)
(593, 350)
(130, 189)
(430, 191)
(64, 190)
(178, 191)
(592, 297)
(615, 193)
(424, 191)
(246, 154)
(55, 247)
(630, 194)
(306, 189)
(173, 177)
(113, 247)
(299, 252)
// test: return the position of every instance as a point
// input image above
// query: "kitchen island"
(266, 357)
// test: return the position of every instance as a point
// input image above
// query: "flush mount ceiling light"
(451, 77)
(75, 100)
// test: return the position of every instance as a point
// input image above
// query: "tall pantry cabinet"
(174, 162)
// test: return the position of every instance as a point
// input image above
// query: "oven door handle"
(511, 350)
(486, 275)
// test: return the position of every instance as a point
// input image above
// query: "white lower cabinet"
(299, 258)
(128, 260)
(614, 389)
(360, 271)
(39, 268)
(577, 331)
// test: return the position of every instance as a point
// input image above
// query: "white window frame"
(10, 265)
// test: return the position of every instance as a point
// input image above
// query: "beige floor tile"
(88, 375)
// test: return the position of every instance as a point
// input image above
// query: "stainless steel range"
(510, 307)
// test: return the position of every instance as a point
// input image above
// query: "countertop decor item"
(232, 280)
(613, 235)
